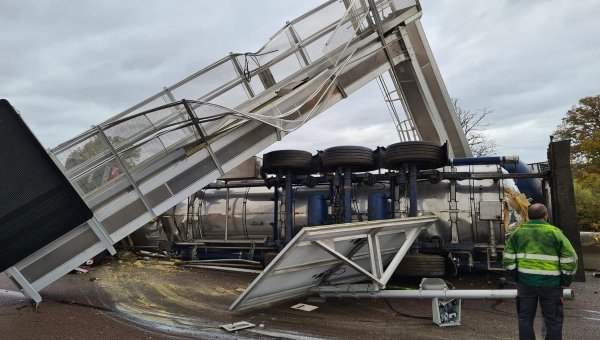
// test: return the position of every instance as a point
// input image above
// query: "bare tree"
(473, 125)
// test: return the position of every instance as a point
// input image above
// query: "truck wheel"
(358, 158)
(297, 161)
(426, 155)
(422, 266)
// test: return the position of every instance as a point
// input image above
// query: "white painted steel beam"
(456, 136)
(426, 95)
(475, 294)
(435, 121)
(411, 236)
(102, 234)
(26, 287)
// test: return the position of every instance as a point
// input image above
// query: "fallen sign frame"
(446, 304)
(330, 258)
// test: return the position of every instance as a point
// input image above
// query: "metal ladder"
(405, 128)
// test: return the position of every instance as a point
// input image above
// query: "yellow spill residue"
(164, 267)
(178, 295)
(223, 291)
(146, 287)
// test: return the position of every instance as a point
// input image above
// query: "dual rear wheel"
(425, 155)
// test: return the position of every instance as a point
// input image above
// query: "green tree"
(587, 195)
(581, 126)
(95, 147)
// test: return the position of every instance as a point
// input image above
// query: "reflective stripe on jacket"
(539, 254)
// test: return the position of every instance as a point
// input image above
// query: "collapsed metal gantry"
(159, 162)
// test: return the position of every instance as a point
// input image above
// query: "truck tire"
(422, 266)
(425, 155)
(357, 158)
(297, 161)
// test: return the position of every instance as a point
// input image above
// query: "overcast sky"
(67, 65)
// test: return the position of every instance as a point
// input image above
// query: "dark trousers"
(551, 302)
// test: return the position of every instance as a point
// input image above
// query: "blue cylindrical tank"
(378, 207)
(531, 187)
(317, 210)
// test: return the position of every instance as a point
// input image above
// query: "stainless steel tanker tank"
(468, 209)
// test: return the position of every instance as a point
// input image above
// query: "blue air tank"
(378, 206)
(317, 210)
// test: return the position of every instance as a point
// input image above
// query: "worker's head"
(537, 211)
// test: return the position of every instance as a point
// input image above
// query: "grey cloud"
(528, 61)
(70, 64)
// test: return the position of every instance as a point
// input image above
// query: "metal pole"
(393, 196)
(102, 234)
(347, 195)
(453, 212)
(176, 109)
(27, 288)
(412, 172)
(349, 255)
(492, 294)
(202, 133)
(294, 40)
(485, 160)
(123, 168)
(289, 207)
(240, 73)
(411, 236)
(226, 212)
(275, 212)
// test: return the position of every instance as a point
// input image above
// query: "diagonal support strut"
(202, 133)
(349, 262)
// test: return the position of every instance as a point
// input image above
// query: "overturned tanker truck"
(184, 160)
(478, 202)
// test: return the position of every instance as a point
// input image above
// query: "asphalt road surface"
(144, 299)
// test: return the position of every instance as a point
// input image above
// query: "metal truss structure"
(331, 258)
(154, 155)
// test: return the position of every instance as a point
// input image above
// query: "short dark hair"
(537, 211)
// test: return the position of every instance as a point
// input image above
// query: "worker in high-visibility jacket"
(543, 261)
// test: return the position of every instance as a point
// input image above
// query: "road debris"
(304, 307)
(237, 326)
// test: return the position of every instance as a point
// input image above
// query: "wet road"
(147, 300)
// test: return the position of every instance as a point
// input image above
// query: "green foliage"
(95, 147)
(582, 127)
(588, 205)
